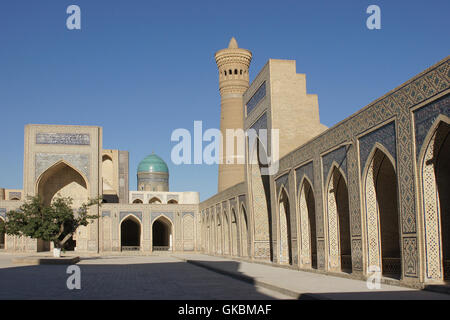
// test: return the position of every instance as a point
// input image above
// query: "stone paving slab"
(300, 284)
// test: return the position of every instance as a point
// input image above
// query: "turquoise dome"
(153, 163)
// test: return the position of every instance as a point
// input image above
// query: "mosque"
(368, 194)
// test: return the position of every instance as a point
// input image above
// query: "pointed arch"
(107, 173)
(234, 234)
(226, 233)
(155, 200)
(284, 228)
(434, 186)
(381, 212)
(307, 224)
(213, 230)
(219, 233)
(64, 179)
(162, 233)
(338, 221)
(130, 233)
(245, 252)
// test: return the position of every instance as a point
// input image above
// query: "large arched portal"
(382, 215)
(2, 234)
(339, 223)
(285, 252)
(435, 184)
(308, 252)
(130, 234)
(63, 180)
(162, 234)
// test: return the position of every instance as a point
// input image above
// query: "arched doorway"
(162, 234)
(219, 234)
(244, 233)
(137, 201)
(63, 180)
(2, 234)
(285, 252)
(443, 186)
(260, 195)
(172, 201)
(130, 234)
(307, 222)
(108, 175)
(155, 200)
(234, 234)
(382, 214)
(435, 187)
(226, 233)
(339, 223)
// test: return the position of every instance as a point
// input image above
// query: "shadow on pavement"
(154, 280)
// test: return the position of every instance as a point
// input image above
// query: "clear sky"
(141, 68)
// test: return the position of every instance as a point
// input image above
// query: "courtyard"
(185, 277)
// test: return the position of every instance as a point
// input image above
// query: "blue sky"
(141, 68)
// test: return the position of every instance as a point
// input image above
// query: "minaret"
(233, 64)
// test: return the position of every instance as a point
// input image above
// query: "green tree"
(56, 222)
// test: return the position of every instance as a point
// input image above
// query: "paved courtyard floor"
(186, 277)
(125, 277)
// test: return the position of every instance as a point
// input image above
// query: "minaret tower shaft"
(233, 64)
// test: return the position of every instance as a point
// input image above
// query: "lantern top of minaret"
(233, 54)
(233, 44)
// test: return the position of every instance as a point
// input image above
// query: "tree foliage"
(56, 222)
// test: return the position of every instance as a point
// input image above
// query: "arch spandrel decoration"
(306, 170)
(156, 215)
(81, 162)
(136, 214)
(425, 117)
(384, 136)
(282, 182)
(337, 158)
